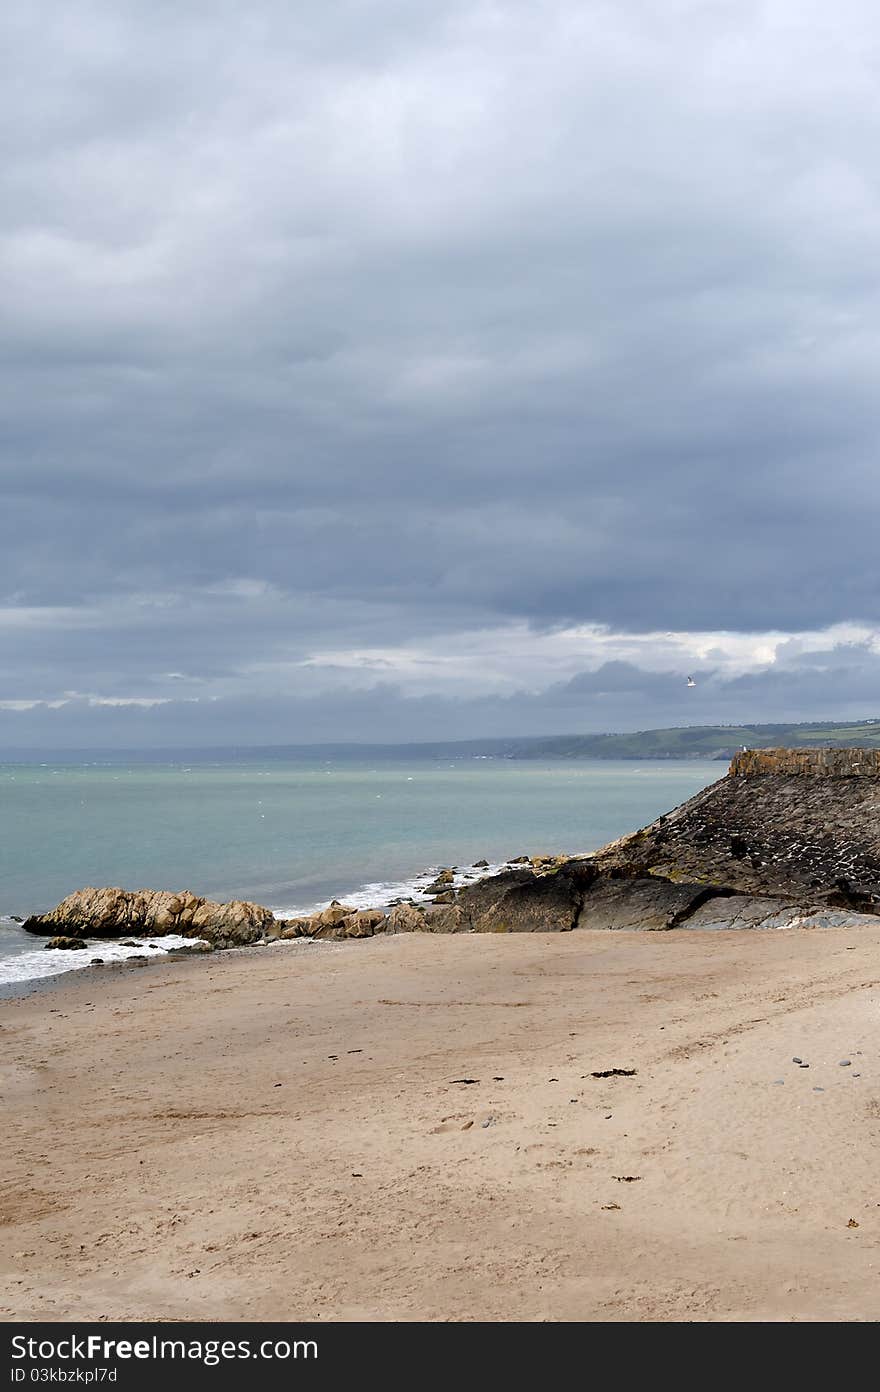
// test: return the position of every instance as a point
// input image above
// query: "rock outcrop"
(335, 922)
(110, 913)
(445, 879)
(354, 923)
(406, 918)
(643, 902)
(799, 823)
(295, 928)
(787, 838)
(521, 901)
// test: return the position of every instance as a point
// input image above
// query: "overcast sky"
(378, 369)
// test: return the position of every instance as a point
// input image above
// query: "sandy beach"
(285, 1133)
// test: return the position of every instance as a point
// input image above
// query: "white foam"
(379, 893)
(40, 963)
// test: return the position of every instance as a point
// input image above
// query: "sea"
(294, 833)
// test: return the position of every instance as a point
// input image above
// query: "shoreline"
(282, 1135)
(378, 894)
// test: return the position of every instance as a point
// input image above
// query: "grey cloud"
(433, 318)
(618, 696)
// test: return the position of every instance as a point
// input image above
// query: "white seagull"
(691, 681)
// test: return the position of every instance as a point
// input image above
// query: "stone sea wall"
(837, 763)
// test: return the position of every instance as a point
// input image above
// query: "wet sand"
(280, 1133)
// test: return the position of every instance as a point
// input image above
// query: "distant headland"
(719, 742)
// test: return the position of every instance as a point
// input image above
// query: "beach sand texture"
(278, 1133)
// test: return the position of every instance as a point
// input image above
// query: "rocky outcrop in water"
(111, 913)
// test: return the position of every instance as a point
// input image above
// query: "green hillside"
(697, 741)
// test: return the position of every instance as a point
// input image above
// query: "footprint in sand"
(463, 1121)
(452, 1123)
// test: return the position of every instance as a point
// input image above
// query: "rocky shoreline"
(788, 838)
(112, 912)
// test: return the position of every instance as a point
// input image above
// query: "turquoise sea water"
(292, 835)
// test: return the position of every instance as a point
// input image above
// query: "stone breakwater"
(801, 824)
(841, 763)
(788, 838)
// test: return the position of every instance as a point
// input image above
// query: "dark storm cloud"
(333, 327)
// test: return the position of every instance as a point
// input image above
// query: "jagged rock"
(444, 918)
(480, 865)
(66, 944)
(365, 923)
(846, 895)
(406, 918)
(546, 863)
(519, 860)
(334, 913)
(477, 898)
(356, 923)
(752, 911)
(110, 913)
(830, 918)
(741, 911)
(441, 883)
(519, 901)
(188, 950)
(639, 903)
(446, 897)
(327, 932)
(296, 928)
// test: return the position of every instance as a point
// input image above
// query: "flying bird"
(691, 681)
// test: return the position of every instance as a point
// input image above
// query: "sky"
(384, 370)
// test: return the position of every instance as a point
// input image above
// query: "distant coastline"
(671, 742)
